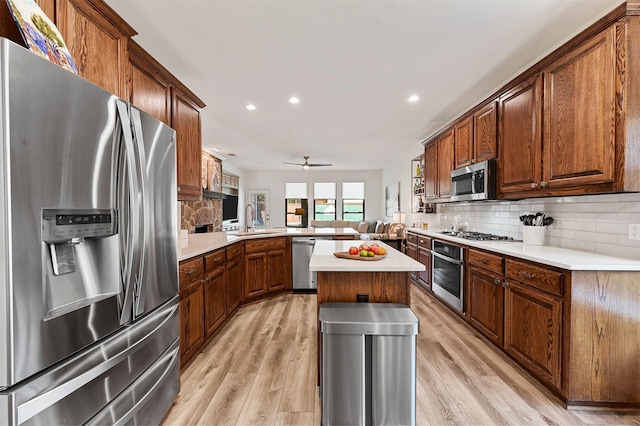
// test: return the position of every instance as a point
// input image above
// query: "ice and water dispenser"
(80, 258)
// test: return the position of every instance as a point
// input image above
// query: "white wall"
(275, 182)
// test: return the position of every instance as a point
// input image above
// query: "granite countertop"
(198, 244)
(572, 260)
(323, 260)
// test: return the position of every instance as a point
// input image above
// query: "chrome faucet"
(246, 218)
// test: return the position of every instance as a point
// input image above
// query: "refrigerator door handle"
(138, 143)
(132, 231)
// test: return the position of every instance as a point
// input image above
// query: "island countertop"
(323, 260)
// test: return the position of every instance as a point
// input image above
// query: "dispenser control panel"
(60, 225)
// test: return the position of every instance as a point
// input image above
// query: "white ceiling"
(353, 63)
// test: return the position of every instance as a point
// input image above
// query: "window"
(296, 205)
(353, 201)
(324, 201)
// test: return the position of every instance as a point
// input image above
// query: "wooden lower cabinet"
(486, 309)
(191, 323)
(533, 330)
(276, 270)
(267, 266)
(255, 274)
(423, 255)
(411, 250)
(215, 299)
(235, 284)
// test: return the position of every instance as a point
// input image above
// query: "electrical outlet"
(634, 231)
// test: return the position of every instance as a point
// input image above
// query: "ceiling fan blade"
(320, 165)
(295, 164)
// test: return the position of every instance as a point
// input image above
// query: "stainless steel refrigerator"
(88, 261)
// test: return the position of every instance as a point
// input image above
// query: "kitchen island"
(352, 280)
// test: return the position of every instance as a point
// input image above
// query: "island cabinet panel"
(464, 143)
(97, 40)
(603, 361)
(445, 163)
(520, 137)
(485, 132)
(185, 120)
(235, 277)
(580, 115)
(533, 331)
(379, 287)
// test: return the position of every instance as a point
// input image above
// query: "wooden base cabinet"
(235, 277)
(267, 266)
(191, 307)
(411, 250)
(424, 256)
(533, 331)
(486, 310)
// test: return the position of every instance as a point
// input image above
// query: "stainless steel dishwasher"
(301, 248)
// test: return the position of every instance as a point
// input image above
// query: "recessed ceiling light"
(294, 100)
(414, 98)
(251, 107)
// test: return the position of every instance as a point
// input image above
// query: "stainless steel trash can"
(368, 364)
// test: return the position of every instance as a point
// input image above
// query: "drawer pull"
(526, 275)
(191, 271)
(497, 281)
(484, 261)
(217, 259)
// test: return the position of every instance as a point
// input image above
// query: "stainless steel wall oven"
(447, 273)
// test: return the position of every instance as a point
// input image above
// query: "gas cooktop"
(477, 236)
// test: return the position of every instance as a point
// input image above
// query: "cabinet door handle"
(191, 271)
(544, 184)
(533, 185)
(497, 281)
(526, 275)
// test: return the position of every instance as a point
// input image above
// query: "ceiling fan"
(306, 164)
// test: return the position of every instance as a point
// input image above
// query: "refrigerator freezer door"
(58, 139)
(158, 274)
(76, 390)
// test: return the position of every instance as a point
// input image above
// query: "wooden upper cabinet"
(464, 143)
(149, 89)
(580, 114)
(185, 120)
(431, 171)
(445, 163)
(520, 141)
(97, 40)
(485, 132)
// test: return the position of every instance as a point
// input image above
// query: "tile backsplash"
(593, 223)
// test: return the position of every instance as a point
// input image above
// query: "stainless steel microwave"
(474, 182)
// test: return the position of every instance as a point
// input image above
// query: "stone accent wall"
(204, 212)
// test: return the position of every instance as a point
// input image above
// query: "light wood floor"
(261, 370)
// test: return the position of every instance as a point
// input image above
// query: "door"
(159, 279)
(259, 200)
(62, 138)
(276, 270)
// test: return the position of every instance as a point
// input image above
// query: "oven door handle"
(448, 259)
